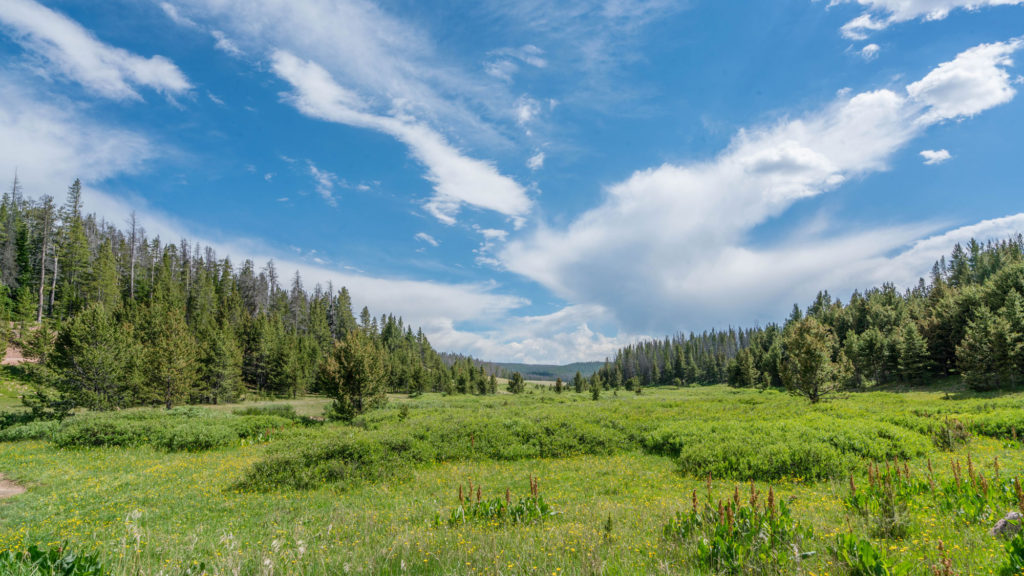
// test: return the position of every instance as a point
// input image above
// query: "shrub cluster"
(181, 429)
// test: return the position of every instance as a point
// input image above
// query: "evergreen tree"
(808, 368)
(516, 384)
(913, 355)
(355, 371)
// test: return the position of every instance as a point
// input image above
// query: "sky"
(534, 181)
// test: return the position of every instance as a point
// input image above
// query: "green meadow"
(630, 485)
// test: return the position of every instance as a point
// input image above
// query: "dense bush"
(183, 429)
(39, 430)
(813, 447)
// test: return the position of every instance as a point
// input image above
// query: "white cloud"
(51, 142)
(424, 237)
(932, 157)
(870, 52)
(457, 179)
(974, 81)
(536, 162)
(268, 176)
(172, 12)
(214, 99)
(70, 50)
(880, 14)
(325, 182)
(224, 44)
(667, 248)
(505, 61)
(526, 110)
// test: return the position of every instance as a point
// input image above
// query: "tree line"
(117, 319)
(967, 319)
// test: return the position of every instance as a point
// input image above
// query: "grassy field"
(12, 387)
(377, 497)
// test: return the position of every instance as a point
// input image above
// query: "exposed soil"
(8, 488)
(13, 356)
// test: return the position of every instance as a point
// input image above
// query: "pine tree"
(355, 371)
(95, 361)
(171, 357)
(913, 357)
(984, 355)
(577, 382)
(808, 368)
(516, 384)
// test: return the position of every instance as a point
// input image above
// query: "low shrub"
(814, 447)
(61, 561)
(741, 537)
(185, 429)
(860, 558)
(279, 410)
(38, 430)
(192, 438)
(495, 511)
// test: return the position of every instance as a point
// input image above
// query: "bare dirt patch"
(8, 488)
(13, 357)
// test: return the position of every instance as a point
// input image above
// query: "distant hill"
(529, 371)
(550, 371)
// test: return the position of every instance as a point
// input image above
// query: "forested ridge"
(966, 319)
(116, 319)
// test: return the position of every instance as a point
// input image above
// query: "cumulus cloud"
(932, 157)
(667, 247)
(973, 82)
(67, 49)
(880, 14)
(458, 179)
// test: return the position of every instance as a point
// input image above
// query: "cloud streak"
(880, 14)
(69, 50)
(458, 179)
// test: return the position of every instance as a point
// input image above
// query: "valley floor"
(145, 509)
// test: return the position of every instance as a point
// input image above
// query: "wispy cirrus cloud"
(324, 181)
(458, 179)
(65, 48)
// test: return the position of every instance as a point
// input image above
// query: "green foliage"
(813, 365)
(516, 385)
(861, 558)
(497, 510)
(38, 430)
(354, 374)
(742, 538)
(97, 361)
(60, 561)
(187, 429)
(883, 502)
(1014, 564)
(951, 434)
(811, 448)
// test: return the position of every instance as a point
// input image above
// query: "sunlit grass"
(185, 508)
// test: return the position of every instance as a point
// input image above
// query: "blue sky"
(534, 181)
